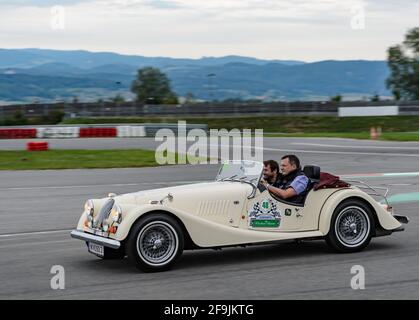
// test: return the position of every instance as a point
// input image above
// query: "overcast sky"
(308, 30)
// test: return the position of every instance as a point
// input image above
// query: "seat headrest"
(312, 172)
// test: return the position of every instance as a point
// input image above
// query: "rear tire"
(155, 243)
(351, 227)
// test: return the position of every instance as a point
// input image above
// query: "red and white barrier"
(131, 131)
(97, 133)
(17, 133)
(73, 132)
(58, 132)
(37, 146)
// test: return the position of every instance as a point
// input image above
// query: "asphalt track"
(39, 208)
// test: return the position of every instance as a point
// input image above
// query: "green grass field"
(400, 128)
(400, 136)
(76, 159)
(285, 124)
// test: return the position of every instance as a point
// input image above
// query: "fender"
(132, 214)
(385, 219)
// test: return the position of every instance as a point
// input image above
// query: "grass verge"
(285, 124)
(77, 159)
(395, 128)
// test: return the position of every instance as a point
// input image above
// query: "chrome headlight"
(116, 214)
(89, 209)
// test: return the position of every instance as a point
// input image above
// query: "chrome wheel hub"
(158, 243)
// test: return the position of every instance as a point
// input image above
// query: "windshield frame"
(251, 179)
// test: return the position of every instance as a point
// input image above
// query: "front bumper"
(106, 242)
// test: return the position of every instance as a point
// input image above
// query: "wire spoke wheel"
(157, 243)
(352, 226)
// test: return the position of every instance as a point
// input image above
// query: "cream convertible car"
(153, 227)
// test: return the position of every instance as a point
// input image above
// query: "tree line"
(403, 61)
(153, 86)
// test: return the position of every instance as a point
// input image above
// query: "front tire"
(351, 227)
(155, 243)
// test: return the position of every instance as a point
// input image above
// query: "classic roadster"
(153, 227)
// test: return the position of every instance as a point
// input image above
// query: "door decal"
(264, 214)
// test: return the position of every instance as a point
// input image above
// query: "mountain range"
(50, 75)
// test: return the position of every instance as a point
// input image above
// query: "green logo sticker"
(264, 214)
(265, 204)
(265, 223)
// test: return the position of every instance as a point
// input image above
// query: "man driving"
(292, 183)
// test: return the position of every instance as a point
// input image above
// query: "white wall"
(368, 111)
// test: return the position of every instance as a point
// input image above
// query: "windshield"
(245, 170)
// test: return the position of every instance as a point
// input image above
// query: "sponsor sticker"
(264, 214)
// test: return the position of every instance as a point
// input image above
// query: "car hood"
(191, 193)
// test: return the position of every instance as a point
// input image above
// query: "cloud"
(161, 4)
(302, 12)
(284, 29)
(239, 9)
(40, 3)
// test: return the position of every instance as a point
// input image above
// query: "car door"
(265, 213)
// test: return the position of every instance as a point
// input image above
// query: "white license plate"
(96, 249)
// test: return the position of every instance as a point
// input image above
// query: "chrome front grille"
(103, 214)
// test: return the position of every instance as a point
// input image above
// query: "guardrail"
(92, 131)
(98, 132)
(130, 109)
(17, 133)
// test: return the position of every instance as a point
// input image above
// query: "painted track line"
(380, 175)
(34, 233)
(316, 151)
(345, 153)
(100, 185)
(350, 146)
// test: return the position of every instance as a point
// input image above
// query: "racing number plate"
(96, 249)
